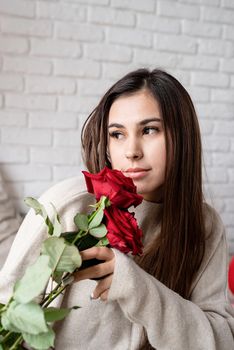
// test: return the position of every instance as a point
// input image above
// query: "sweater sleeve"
(171, 322)
(69, 198)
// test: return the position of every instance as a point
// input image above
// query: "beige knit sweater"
(136, 299)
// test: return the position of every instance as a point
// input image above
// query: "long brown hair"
(175, 256)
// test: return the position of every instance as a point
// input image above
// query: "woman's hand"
(97, 271)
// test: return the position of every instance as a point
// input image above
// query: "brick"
(224, 159)
(223, 191)
(229, 204)
(131, 37)
(227, 3)
(103, 15)
(18, 8)
(1, 100)
(228, 219)
(199, 94)
(204, 2)
(64, 172)
(224, 128)
(28, 102)
(50, 85)
(10, 82)
(80, 32)
(198, 62)
(138, 5)
(175, 43)
(207, 159)
(55, 48)
(27, 65)
(94, 87)
(46, 155)
(106, 52)
(27, 172)
(231, 174)
(155, 58)
(26, 27)
(216, 144)
(176, 9)
(199, 29)
(13, 45)
(222, 95)
(11, 135)
(13, 154)
(227, 65)
(158, 24)
(232, 81)
(210, 79)
(216, 175)
(77, 104)
(217, 15)
(116, 70)
(77, 68)
(36, 188)
(67, 139)
(98, 2)
(182, 76)
(13, 118)
(228, 32)
(206, 126)
(215, 110)
(61, 11)
(215, 47)
(52, 120)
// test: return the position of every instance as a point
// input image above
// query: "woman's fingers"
(96, 271)
(100, 253)
(102, 289)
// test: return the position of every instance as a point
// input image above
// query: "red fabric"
(231, 275)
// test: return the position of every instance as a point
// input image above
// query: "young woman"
(172, 297)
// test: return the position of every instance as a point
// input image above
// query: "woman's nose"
(133, 150)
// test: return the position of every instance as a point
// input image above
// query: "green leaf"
(34, 280)
(70, 259)
(103, 242)
(98, 232)
(54, 248)
(97, 219)
(27, 318)
(40, 210)
(40, 341)
(6, 323)
(53, 314)
(81, 221)
(57, 224)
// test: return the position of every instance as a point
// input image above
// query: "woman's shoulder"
(214, 227)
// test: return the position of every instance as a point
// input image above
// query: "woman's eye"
(116, 135)
(150, 130)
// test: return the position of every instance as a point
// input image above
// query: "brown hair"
(175, 256)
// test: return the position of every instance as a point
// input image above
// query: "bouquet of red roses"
(25, 321)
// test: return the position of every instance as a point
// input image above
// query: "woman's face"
(137, 142)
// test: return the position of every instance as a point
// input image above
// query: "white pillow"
(9, 222)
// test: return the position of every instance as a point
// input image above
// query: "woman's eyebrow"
(149, 120)
(142, 122)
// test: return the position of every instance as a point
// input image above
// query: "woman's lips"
(136, 173)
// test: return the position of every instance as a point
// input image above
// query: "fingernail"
(92, 297)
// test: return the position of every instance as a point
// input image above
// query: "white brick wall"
(58, 57)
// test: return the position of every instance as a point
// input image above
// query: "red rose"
(113, 184)
(123, 232)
